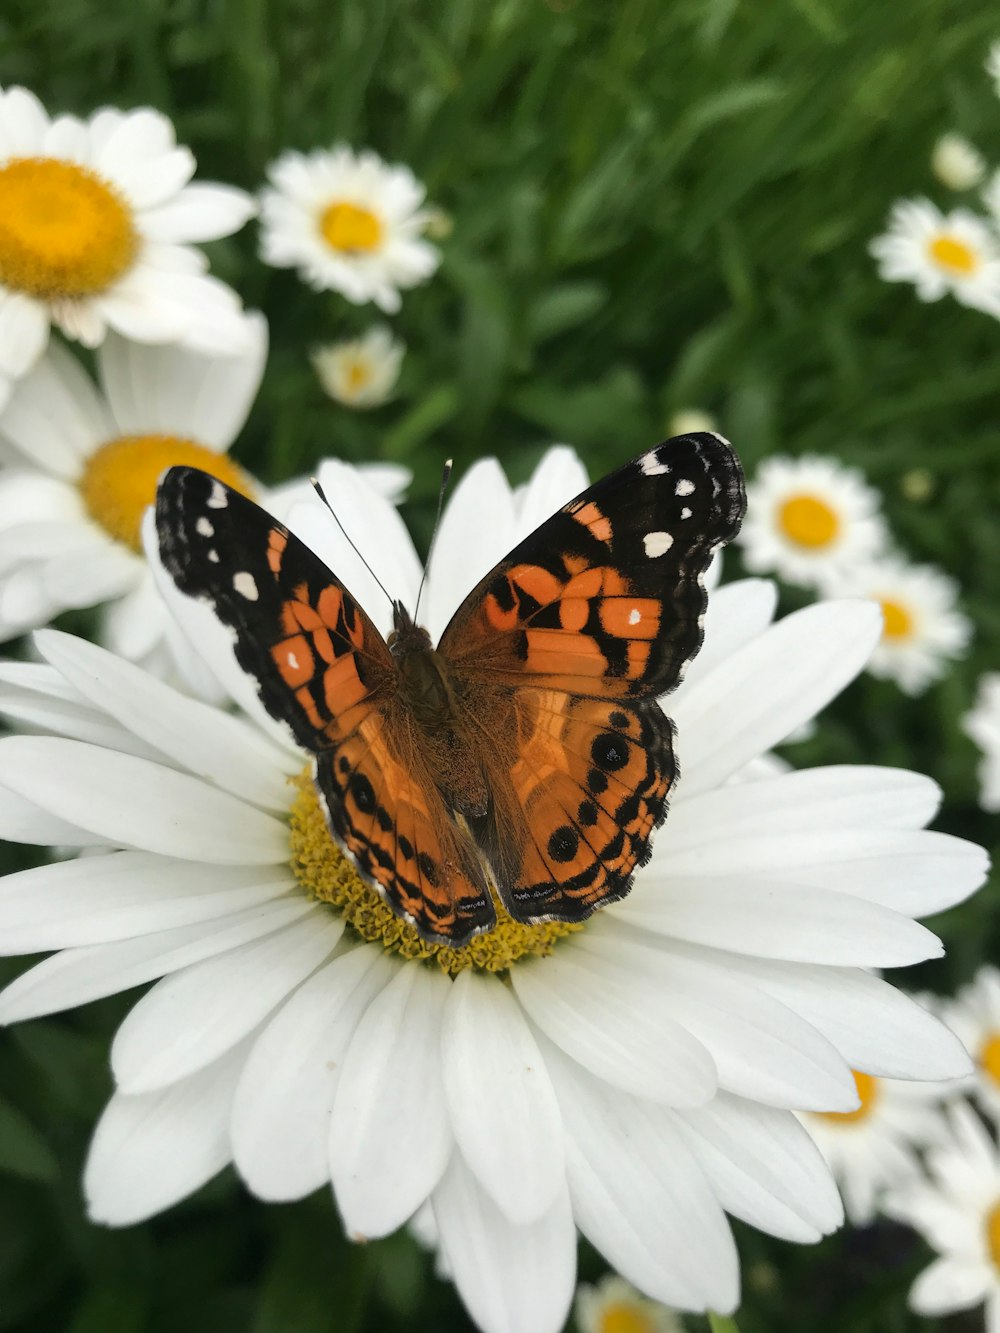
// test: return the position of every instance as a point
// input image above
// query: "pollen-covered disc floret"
(327, 874)
(941, 253)
(348, 222)
(633, 1084)
(96, 221)
(810, 518)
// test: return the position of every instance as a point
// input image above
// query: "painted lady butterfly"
(527, 751)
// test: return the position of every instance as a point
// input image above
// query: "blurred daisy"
(690, 420)
(922, 630)
(957, 163)
(874, 1147)
(983, 725)
(614, 1306)
(955, 252)
(634, 1077)
(348, 222)
(974, 1016)
(992, 66)
(956, 1208)
(361, 372)
(96, 224)
(810, 518)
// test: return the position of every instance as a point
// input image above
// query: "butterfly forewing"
(323, 669)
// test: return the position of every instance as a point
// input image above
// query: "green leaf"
(722, 1324)
(23, 1151)
(563, 308)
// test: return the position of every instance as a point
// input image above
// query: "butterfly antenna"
(322, 495)
(445, 478)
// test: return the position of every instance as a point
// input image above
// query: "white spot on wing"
(634, 616)
(685, 512)
(217, 497)
(245, 585)
(657, 543)
(214, 557)
(292, 660)
(684, 487)
(204, 528)
(651, 466)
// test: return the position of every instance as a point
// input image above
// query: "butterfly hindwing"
(606, 597)
(323, 669)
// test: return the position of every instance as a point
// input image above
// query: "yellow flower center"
(954, 255)
(993, 1235)
(622, 1317)
(327, 874)
(64, 232)
(358, 375)
(897, 623)
(351, 229)
(808, 521)
(119, 480)
(869, 1092)
(989, 1056)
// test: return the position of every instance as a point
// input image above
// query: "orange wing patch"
(591, 778)
(388, 814)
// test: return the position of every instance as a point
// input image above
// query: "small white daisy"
(361, 372)
(922, 630)
(810, 518)
(983, 725)
(956, 163)
(957, 252)
(96, 224)
(614, 1306)
(992, 65)
(84, 467)
(956, 1208)
(633, 1078)
(974, 1016)
(348, 222)
(874, 1147)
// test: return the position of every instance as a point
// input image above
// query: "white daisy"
(348, 222)
(810, 518)
(96, 224)
(974, 1016)
(956, 1208)
(614, 1306)
(922, 630)
(983, 725)
(86, 464)
(992, 66)
(633, 1078)
(957, 252)
(957, 163)
(361, 372)
(874, 1148)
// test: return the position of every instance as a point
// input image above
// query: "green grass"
(655, 207)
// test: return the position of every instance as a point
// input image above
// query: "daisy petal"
(201, 212)
(55, 416)
(22, 820)
(502, 1105)
(390, 1138)
(188, 1020)
(286, 1093)
(24, 332)
(949, 1284)
(511, 1278)
(737, 614)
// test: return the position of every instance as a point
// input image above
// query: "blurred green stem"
(720, 1324)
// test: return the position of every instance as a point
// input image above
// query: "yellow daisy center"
(119, 480)
(327, 874)
(64, 232)
(949, 253)
(351, 229)
(897, 622)
(993, 1234)
(623, 1317)
(808, 521)
(359, 374)
(869, 1092)
(989, 1056)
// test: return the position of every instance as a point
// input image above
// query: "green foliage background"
(656, 206)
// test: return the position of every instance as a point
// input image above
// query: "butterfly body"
(525, 756)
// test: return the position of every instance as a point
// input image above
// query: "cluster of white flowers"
(819, 524)
(955, 252)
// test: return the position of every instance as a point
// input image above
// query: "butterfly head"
(406, 637)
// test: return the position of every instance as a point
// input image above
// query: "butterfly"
(526, 754)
